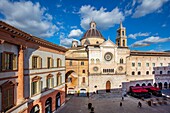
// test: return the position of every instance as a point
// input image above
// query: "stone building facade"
(110, 67)
(32, 72)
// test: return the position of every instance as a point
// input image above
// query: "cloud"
(103, 18)
(133, 36)
(73, 27)
(150, 40)
(28, 17)
(65, 41)
(147, 7)
(59, 5)
(75, 33)
(163, 25)
(128, 12)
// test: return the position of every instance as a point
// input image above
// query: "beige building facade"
(109, 66)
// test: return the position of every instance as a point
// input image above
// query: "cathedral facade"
(100, 65)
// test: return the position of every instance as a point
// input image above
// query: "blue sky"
(147, 22)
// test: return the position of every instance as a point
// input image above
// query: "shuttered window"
(36, 87)
(50, 82)
(36, 62)
(50, 62)
(8, 61)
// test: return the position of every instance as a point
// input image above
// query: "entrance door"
(57, 100)
(108, 86)
(48, 105)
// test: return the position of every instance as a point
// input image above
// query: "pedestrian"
(120, 104)
(139, 104)
(122, 98)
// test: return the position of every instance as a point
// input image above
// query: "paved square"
(106, 103)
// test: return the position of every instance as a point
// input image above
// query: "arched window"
(153, 72)
(149, 84)
(92, 60)
(97, 60)
(35, 109)
(133, 73)
(160, 72)
(137, 84)
(123, 42)
(139, 73)
(147, 72)
(168, 72)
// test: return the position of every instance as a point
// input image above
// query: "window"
(160, 72)
(36, 85)
(139, 73)
(153, 64)
(50, 62)
(123, 42)
(133, 73)
(139, 64)
(7, 90)
(83, 71)
(147, 72)
(168, 72)
(9, 61)
(147, 64)
(97, 60)
(59, 79)
(161, 64)
(121, 61)
(83, 79)
(133, 64)
(82, 63)
(59, 62)
(168, 64)
(123, 33)
(50, 81)
(71, 63)
(36, 62)
(153, 72)
(92, 60)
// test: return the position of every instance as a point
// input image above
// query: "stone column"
(20, 89)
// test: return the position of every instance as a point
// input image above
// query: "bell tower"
(121, 38)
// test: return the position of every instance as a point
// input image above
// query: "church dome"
(92, 33)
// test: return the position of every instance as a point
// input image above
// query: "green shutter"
(3, 61)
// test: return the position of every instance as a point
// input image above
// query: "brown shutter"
(33, 62)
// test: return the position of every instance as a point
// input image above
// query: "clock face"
(120, 68)
(95, 68)
(108, 56)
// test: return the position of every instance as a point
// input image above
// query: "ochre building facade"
(100, 65)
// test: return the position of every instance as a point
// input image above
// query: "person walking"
(139, 104)
(120, 104)
(122, 98)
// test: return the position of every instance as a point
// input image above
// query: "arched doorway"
(137, 85)
(48, 105)
(165, 85)
(72, 82)
(160, 85)
(108, 86)
(155, 84)
(143, 84)
(35, 109)
(149, 84)
(58, 100)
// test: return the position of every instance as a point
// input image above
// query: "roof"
(28, 37)
(146, 53)
(92, 32)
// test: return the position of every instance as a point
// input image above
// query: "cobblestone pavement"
(108, 103)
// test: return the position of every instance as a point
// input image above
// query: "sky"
(147, 22)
